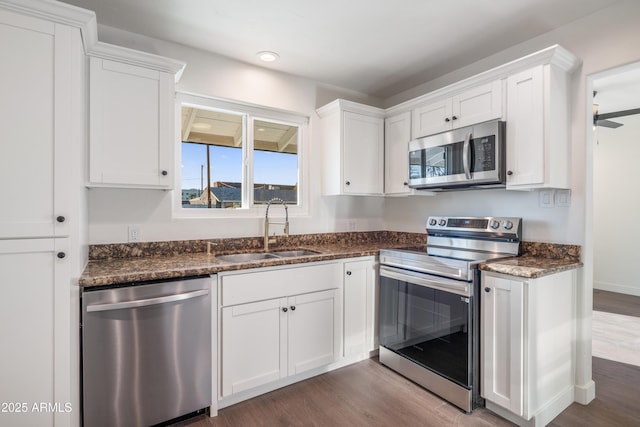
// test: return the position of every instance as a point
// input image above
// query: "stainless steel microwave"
(468, 157)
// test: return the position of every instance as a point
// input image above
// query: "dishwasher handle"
(147, 302)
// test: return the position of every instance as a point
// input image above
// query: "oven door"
(428, 320)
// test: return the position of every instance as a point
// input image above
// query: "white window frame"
(250, 113)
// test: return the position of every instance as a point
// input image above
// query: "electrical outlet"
(352, 225)
(134, 233)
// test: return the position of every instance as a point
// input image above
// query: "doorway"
(615, 203)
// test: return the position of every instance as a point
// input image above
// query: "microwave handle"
(466, 161)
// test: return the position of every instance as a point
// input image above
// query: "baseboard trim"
(614, 287)
(224, 402)
(584, 394)
(544, 416)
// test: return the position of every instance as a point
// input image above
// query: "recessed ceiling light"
(268, 56)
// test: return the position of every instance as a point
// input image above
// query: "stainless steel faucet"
(266, 221)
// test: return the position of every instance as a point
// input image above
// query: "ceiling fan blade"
(608, 124)
(615, 114)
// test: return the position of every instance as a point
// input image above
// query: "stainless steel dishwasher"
(146, 352)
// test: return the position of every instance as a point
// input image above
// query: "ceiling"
(375, 47)
(618, 91)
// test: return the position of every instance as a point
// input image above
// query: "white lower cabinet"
(35, 329)
(251, 345)
(360, 327)
(527, 345)
(311, 322)
(279, 322)
(268, 340)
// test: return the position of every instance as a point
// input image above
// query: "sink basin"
(259, 256)
(295, 253)
(246, 257)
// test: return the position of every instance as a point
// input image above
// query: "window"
(217, 143)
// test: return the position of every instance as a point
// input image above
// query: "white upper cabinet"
(353, 148)
(131, 116)
(397, 133)
(538, 137)
(36, 126)
(474, 105)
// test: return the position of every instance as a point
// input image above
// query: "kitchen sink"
(259, 256)
(295, 253)
(246, 257)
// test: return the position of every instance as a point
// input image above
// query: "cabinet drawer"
(241, 288)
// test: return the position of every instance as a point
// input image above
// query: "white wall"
(616, 205)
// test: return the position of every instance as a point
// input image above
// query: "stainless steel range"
(430, 300)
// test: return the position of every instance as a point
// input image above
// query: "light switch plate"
(547, 198)
(563, 198)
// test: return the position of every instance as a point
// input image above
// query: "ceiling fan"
(603, 119)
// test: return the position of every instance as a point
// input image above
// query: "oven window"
(427, 326)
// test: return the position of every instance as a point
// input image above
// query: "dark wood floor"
(366, 394)
(617, 401)
(612, 302)
(369, 394)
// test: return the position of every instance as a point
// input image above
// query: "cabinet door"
(311, 327)
(502, 338)
(432, 118)
(359, 307)
(477, 105)
(36, 90)
(397, 133)
(131, 125)
(254, 345)
(363, 163)
(32, 281)
(525, 128)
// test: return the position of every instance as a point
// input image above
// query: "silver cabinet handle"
(466, 161)
(146, 302)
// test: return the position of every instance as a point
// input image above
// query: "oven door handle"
(415, 278)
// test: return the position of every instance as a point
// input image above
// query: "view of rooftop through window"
(212, 160)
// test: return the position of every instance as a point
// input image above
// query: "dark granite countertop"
(114, 264)
(128, 270)
(130, 263)
(531, 267)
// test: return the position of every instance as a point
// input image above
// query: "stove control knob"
(508, 225)
(494, 224)
(442, 222)
(433, 221)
